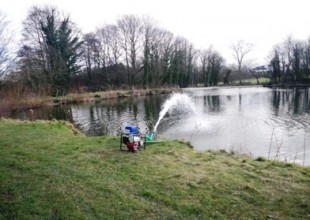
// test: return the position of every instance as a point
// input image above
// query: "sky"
(219, 23)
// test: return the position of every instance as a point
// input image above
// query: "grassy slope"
(48, 170)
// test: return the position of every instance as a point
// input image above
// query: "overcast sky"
(203, 22)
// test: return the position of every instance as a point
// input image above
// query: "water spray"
(131, 137)
(177, 100)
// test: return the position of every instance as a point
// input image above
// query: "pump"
(132, 139)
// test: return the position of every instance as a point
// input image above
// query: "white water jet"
(177, 100)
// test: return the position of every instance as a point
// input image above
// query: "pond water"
(273, 123)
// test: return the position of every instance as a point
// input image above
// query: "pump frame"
(125, 138)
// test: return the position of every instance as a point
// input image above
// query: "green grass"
(50, 171)
(253, 81)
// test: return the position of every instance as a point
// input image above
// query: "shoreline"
(11, 104)
(106, 95)
(287, 85)
(8, 105)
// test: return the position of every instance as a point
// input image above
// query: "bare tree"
(306, 62)
(204, 61)
(33, 36)
(149, 47)
(5, 40)
(33, 55)
(90, 52)
(108, 52)
(280, 52)
(130, 27)
(157, 49)
(212, 63)
(157, 53)
(240, 50)
(50, 49)
(291, 61)
(182, 61)
(178, 62)
(109, 37)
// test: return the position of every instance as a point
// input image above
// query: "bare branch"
(5, 41)
(240, 50)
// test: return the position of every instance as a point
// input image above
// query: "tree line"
(55, 57)
(134, 52)
(291, 61)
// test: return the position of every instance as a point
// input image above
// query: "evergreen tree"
(275, 66)
(62, 53)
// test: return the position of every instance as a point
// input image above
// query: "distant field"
(251, 81)
(254, 81)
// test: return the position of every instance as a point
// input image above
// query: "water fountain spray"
(176, 101)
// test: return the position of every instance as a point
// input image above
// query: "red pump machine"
(132, 139)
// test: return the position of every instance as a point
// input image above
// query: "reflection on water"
(107, 118)
(273, 123)
(259, 121)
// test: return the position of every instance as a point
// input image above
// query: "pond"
(272, 123)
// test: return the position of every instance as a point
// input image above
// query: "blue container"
(129, 129)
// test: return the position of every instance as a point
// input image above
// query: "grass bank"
(252, 81)
(112, 94)
(48, 170)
